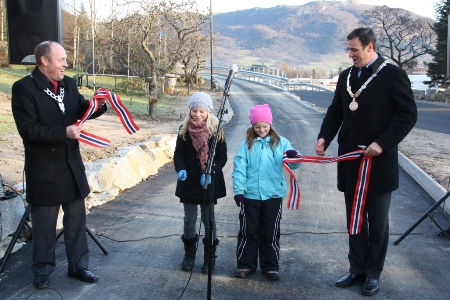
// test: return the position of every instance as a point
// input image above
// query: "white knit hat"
(201, 100)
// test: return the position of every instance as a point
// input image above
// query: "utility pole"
(211, 43)
(93, 17)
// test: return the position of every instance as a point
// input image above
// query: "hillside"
(310, 35)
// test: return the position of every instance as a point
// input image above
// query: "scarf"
(199, 135)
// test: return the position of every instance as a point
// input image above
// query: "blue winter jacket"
(258, 172)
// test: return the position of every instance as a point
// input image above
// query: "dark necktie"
(55, 86)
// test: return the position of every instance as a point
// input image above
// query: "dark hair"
(365, 36)
(43, 49)
(251, 135)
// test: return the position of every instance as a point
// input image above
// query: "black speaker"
(31, 22)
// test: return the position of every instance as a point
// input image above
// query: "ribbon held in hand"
(119, 108)
(361, 188)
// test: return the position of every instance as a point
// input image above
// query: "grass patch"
(7, 125)
(136, 100)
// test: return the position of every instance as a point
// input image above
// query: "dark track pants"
(259, 233)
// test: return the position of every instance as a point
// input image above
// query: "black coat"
(54, 170)
(386, 113)
(185, 158)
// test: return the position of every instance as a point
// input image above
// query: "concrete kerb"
(434, 189)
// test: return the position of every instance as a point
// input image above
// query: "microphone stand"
(210, 172)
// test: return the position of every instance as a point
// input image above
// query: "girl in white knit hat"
(190, 159)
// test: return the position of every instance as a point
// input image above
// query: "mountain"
(312, 35)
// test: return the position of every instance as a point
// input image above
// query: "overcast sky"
(421, 7)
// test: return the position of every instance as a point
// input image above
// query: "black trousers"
(259, 233)
(367, 250)
(44, 219)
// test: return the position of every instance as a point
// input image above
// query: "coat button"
(53, 149)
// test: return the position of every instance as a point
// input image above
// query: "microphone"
(233, 69)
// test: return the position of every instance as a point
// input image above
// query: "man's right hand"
(320, 147)
(73, 131)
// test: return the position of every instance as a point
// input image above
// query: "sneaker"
(242, 273)
(273, 275)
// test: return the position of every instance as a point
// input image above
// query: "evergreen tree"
(437, 70)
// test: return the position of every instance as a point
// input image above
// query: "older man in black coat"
(46, 105)
(373, 106)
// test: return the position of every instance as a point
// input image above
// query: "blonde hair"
(212, 122)
(251, 135)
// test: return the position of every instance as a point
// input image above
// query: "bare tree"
(143, 29)
(2, 18)
(401, 37)
(188, 41)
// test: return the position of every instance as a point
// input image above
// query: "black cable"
(45, 289)
(235, 236)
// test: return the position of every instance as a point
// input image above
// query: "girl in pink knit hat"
(259, 187)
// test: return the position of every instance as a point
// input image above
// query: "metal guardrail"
(272, 80)
(268, 79)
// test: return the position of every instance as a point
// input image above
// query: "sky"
(423, 8)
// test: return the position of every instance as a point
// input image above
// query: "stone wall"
(107, 178)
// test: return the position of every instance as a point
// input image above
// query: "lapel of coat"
(42, 83)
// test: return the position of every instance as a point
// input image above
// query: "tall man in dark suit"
(373, 106)
(46, 105)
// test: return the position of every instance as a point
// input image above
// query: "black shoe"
(349, 280)
(84, 275)
(371, 287)
(242, 273)
(41, 281)
(272, 275)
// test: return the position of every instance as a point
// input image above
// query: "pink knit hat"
(260, 113)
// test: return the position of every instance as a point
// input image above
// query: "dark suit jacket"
(386, 113)
(54, 170)
(185, 158)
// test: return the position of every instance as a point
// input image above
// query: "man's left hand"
(373, 150)
(100, 101)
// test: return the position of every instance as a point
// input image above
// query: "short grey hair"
(43, 49)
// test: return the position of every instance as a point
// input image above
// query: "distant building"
(419, 71)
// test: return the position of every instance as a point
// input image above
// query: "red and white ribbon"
(119, 108)
(361, 188)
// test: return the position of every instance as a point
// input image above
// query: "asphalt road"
(433, 116)
(141, 229)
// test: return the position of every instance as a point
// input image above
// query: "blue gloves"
(291, 153)
(182, 175)
(239, 199)
(202, 180)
